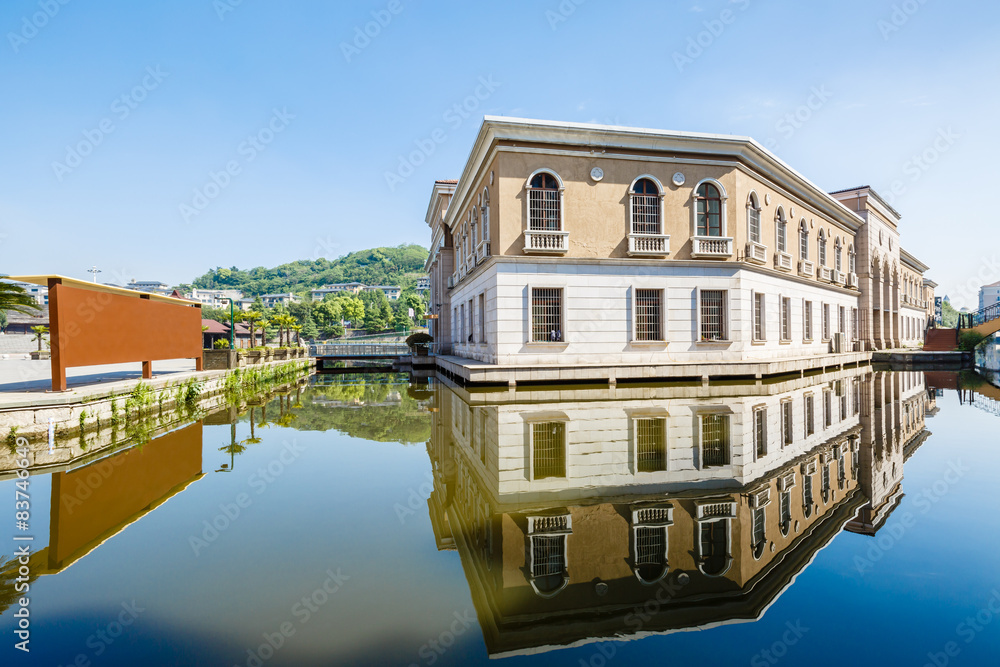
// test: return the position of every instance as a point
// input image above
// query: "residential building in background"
(39, 293)
(215, 298)
(423, 285)
(337, 288)
(150, 287)
(272, 300)
(989, 295)
(576, 244)
(391, 292)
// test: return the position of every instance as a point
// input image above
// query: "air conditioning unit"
(756, 253)
(852, 280)
(782, 261)
(807, 269)
(825, 274)
(824, 458)
(838, 344)
(761, 498)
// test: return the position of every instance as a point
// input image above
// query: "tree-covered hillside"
(377, 266)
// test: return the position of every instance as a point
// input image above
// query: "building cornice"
(912, 262)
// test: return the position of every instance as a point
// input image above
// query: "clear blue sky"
(889, 87)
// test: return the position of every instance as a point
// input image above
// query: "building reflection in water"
(586, 514)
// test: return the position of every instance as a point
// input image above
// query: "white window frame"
(780, 231)
(661, 416)
(753, 205)
(760, 411)
(804, 240)
(562, 200)
(726, 312)
(631, 208)
(546, 418)
(723, 197)
(808, 321)
(701, 438)
(663, 315)
(562, 313)
(787, 427)
(758, 318)
(785, 313)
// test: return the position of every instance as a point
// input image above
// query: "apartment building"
(572, 244)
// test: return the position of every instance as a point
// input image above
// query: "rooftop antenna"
(94, 270)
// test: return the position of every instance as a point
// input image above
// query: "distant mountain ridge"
(400, 265)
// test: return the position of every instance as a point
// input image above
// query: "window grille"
(758, 532)
(810, 415)
(758, 317)
(543, 204)
(709, 210)
(837, 257)
(786, 422)
(754, 215)
(782, 236)
(713, 316)
(841, 320)
(826, 321)
(785, 511)
(650, 444)
(822, 248)
(808, 320)
(804, 242)
(715, 440)
(807, 494)
(546, 314)
(650, 551)
(549, 440)
(786, 319)
(645, 208)
(482, 318)
(827, 409)
(648, 314)
(760, 431)
(548, 555)
(714, 546)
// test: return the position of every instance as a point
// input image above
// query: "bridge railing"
(359, 350)
(973, 320)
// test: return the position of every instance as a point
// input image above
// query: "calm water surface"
(847, 518)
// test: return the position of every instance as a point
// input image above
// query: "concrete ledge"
(919, 358)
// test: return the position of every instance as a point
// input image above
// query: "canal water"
(843, 518)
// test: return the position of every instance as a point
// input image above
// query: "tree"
(40, 333)
(252, 317)
(15, 298)
(309, 329)
(297, 328)
(353, 309)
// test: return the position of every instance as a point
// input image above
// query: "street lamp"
(232, 324)
(94, 270)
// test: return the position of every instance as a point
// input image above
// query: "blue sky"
(300, 130)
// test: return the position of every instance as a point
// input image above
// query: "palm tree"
(39, 332)
(278, 321)
(297, 328)
(252, 317)
(14, 297)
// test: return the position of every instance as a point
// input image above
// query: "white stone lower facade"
(545, 312)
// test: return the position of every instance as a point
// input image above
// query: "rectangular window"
(482, 318)
(857, 397)
(543, 210)
(804, 244)
(548, 441)
(650, 445)
(759, 317)
(548, 555)
(827, 409)
(715, 440)
(786, 318)
(645, 214)
(841, 320)
(843, 405)
(826, 321)
(760, 432)
(807, 320)
(472, 321)
(782, 236)
(754, 216)
(854, 323)
(461, 323)
(649, 314)
(546, 314)
(810, 415)
(713, 315)
(786, 422)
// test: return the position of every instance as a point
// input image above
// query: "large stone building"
(989, 295)
(568, 244)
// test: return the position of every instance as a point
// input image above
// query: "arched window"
(713, 547)
(807, 495)
(708, 208)
(753, 218)
(822, 248)
(804, 241)
(548, 564)
(852, 259)
(485, 214)
(781, 230)
(645, 197)
(785, 512)
(837, 259)
(544, 203)
(650, 553)
(759, 532)
(475, 228)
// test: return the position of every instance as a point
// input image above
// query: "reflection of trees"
(8, 580)
(367, 409)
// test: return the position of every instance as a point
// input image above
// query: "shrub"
(970, 340)
(221, 344)
(419, 338)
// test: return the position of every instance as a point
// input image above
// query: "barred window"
(825, 483)
(650, 552)
(549, 449)
(548, 561)
(786, 422)
(807, 320)
(715, 440)
(786, 318)
(650, 445)
(544, 203)
(841, 323)
(826, 321)
(827, 409)
(785, 511)
(781, 230)
(807, 495)
(854, 323)
(708, 205)
(760, 431)
(810, 415)
(759, 532)
(713, 315)
(645, 207)
(753, 219)
(482, 318)
(649, 314)
(822, 248)
(804, 241)
(714, 543)
(852, 260)
(546, 314)
(759, 316)
(472, 321)
(838, 259)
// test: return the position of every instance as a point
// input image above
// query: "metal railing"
(973, 320)
(360, 350)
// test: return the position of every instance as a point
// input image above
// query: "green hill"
(400, 265)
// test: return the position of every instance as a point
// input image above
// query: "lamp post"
(94, 270)
(232, 324)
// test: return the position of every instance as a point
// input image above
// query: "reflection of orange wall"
(104, 328)
(104, 496)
